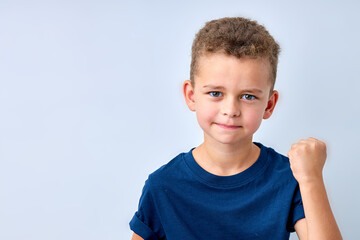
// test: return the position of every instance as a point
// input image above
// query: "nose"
(230, 107)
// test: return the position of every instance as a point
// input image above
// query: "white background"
(91, 104)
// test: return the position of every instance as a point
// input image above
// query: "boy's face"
(231, 96)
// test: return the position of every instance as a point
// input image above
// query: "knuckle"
(305, 146)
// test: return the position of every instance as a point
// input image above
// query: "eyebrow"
(253, 90)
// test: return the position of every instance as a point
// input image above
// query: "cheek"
(254, 118)
(205, 113)
(206, 116)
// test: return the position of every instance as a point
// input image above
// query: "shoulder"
(168, 172)
(277, 157)
(274, 156)
(279, 164)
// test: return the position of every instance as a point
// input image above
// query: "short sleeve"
(146, 222)
(296, 211)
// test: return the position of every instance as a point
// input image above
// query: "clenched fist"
(307, 159)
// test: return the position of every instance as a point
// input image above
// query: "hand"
(307, 159)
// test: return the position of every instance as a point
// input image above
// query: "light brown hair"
(237, 37)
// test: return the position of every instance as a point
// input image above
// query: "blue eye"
(248, 97)
(216, 94)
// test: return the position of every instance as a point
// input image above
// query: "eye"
(248, 97)
(215, 94)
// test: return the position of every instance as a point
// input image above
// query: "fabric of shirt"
(182, 201)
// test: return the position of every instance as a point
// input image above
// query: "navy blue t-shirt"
(182, 201)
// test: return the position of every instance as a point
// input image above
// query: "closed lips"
(229, 126)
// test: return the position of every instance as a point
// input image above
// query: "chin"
(229, 141)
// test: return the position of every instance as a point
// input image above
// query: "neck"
(226, 159)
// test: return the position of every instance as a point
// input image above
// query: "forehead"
(218, 69)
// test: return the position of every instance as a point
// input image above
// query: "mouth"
(227, 126)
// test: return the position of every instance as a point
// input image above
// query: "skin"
(136, 237)
(243, 100)
(307, 159)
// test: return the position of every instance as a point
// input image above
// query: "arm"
(307, 159)
(136, 237)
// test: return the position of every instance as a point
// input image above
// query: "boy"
(230, 187)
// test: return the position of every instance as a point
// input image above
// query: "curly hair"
(237, 37)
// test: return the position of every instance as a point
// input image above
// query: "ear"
(188, 91)
(271, 104)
